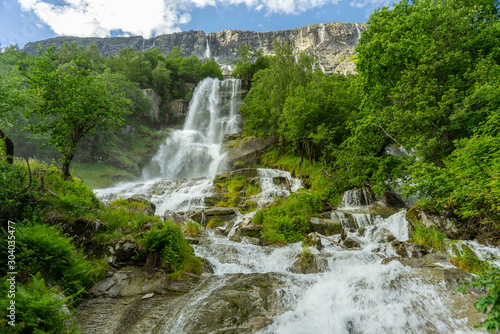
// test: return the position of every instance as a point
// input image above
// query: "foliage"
(431, 238)
(466, 260)
(39, 309)
(193, 228)
(167, 240)
(214, 222)
(42, 248)
(73, 104)
(287, 220)
(489, 304)
(125, 219)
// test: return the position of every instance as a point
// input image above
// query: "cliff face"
(332, 42)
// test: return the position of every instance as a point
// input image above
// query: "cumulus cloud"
(100, 18)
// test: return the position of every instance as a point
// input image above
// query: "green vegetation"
(193, 228)
(287, 220)
(52, 273)
(490, 303)
(99, 175)
(214, 223)
(430, 238)
(39, 308)
(164, 245)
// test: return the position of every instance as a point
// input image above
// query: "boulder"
(252, 231)
(174, 217)
(312, 240)
(221, 213)
(308, 263)
(444, 221)
(119, 252)
(325, 226)
(382, 235)
(139, 205)
(352, 242)
(245, 152)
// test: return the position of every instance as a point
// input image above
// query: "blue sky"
(23, 21)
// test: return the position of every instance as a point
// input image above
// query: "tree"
(12, 100)
(73, 103)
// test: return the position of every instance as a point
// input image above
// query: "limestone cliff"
(332, 42)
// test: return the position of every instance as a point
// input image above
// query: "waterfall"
(321, 34)
(180, 174)
(207, 54)
(358, 31)
(213, 112)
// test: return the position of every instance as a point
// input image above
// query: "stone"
(312, 240)
(221, 213)
(308, 263)
(252, 231)
(245, 152)
(251, 240)
(174, 217)
(444, 221)
(352, 242)
(119, 252)
(382, 235)
(325, 226)
(141, 205)
(400, 248)
(147, 296)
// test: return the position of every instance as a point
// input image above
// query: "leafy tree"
(73, 103)
(13, 98)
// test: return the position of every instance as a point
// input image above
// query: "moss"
(466, 260)
(215, 222)
(431, 238)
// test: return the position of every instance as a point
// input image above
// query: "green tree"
(73, 104)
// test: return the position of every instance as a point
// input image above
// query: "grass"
(312, 173)
(466, 260)
(97, 175)
(287, 220)
(430, 238)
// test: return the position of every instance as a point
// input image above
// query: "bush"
(288, 219)
(490, 303)
(429, 237)
(42, 248)
(39, 309)
(165, 246)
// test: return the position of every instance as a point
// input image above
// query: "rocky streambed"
(359, 274)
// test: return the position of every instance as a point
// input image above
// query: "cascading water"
(354, 293)
(207, 54)
(193, 153)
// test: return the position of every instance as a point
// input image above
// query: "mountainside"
(333, 43)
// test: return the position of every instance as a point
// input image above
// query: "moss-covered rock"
(325, 226)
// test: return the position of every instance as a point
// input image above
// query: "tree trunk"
(9, 147)
(65, 164)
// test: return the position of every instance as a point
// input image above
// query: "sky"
(23, 21)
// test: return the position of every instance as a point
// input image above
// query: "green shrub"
(288, 219)
(38, 309)
(125, 219)
(193, 228)
(214, 222)
(252, 190)
(165, 246)
(431, 238)
(42, 248)
(490, 303)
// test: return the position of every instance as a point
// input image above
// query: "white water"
(359, 32)
(321, 34)
(180, 174)
(357, 294)
(207, 54)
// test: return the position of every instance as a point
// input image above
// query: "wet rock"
(313, 240)
(445, 222)
(400, 248)
(352, 242)
(325, 226)
(308, 263)
(382, 235)
(220, 213)
(417, 251)
(245, 152)
(206, 267)
(174, 217)
(252, 231)
(250, 240)
(345, 231)
(119, 252)
(230, 136)
(392, 199)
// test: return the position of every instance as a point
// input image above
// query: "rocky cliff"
(332, 42)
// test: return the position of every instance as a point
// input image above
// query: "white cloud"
(149, 17)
